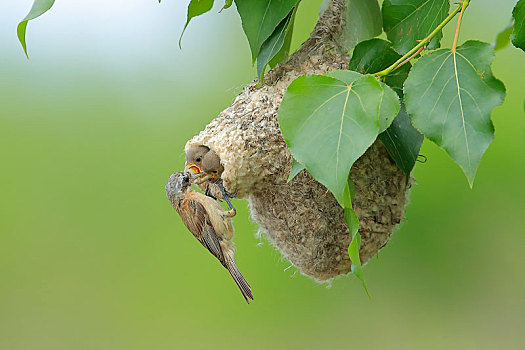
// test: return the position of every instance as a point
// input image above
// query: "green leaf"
(352, 221)
(346, 76)
(39, 7)
(348, 195)
(273, 45)
(450, 96)
(389, 106)
(196, 8)
(285, 50)
(363, 21)
(503, 37)
(353, 253)
(407, 21)
(518, 35)
(260, 18)
(296, 169)
(403, 142)
(374, 55)
(227, 4)
(329, 123)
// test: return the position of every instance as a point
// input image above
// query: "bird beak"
(193, 168)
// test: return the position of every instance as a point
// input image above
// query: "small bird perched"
(207, 161)
(208, 222)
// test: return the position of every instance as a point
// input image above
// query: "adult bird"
(208, 222)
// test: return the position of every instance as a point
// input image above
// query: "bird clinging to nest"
(208, 222)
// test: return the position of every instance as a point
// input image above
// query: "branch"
(413, 52)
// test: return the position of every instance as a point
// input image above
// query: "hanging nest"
(301, 218)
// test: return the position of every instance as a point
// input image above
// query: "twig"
(461, 7)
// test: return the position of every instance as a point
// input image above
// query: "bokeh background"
(92, 256)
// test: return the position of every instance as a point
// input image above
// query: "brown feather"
(243, 285)
(197, 220)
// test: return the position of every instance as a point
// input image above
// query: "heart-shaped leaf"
(329, 123)
(518, 35)
(407, 21)
(39, 7)
(275, 43)
(450, 96)
(389, 104)
(196, 8)
(260, 18)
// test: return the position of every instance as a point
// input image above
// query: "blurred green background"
(92, 256)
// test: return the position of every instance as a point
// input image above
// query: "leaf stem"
(461, 7)
(409, 58)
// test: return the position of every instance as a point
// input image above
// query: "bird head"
(194, 157)
(177, 186)
(200, 158)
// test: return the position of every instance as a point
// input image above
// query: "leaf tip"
(470, 181)
(365, 286)
(21, 33)
(471, 175)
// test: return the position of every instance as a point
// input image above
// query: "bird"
(200, 158)
(208, 222)
(206, 159)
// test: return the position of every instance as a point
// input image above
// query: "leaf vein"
(462, 112)
(340, 133)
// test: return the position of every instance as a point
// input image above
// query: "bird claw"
(230, 213)
(227, 197)
(201, 177)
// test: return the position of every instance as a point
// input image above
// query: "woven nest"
(302, 218)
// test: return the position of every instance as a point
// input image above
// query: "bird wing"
(197, 220)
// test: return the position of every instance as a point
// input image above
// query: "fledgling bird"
(208, 222)
(209, 163)
(207, 160)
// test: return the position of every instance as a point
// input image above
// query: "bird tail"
(244, 286)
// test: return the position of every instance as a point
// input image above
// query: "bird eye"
(186, 179)
(214, 171)
(198, 159)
